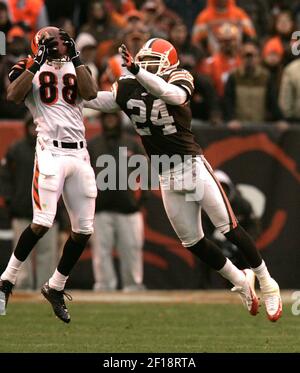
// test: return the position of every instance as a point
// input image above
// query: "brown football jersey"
(164, 129)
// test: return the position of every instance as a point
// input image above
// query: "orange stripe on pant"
(232, 218)
(35, 187)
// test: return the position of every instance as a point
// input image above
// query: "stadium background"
(263, 153)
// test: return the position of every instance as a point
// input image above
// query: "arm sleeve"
(105, 102)
(17, 70)
(158, 87)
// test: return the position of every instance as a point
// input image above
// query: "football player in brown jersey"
(155, 96)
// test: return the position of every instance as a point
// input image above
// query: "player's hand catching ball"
(128, 60)
(47, 47)
(71, 48)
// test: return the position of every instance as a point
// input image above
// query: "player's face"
(150, 64)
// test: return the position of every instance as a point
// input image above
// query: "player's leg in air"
(45, 193)
(185, 217)
(79, 193)
(218, 208)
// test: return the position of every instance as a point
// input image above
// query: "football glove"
(47, 46)
(128, 60)
(71, 48)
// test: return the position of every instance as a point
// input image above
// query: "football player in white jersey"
(155, 97)
(53, 84)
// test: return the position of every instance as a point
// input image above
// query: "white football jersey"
(55, 104)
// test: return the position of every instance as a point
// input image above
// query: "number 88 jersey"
(164, 129)
(54, 102)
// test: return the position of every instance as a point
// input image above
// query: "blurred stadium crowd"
(239, 51)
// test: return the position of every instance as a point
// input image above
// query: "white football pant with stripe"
(186, 189)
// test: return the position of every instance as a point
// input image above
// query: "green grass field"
(96, 327)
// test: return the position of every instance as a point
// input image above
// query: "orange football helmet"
(49, 31)
(165, 54)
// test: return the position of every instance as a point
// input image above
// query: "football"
(54, 32)
(51, 32)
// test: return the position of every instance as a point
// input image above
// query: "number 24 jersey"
(164, 129)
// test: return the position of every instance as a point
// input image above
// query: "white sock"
(232, 273)
(262, 274)
(12, 269)
(58, 281)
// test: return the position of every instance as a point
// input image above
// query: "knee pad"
(85, 226)
(192, 241)
(39, 230)
(43, 218)
(225, 228)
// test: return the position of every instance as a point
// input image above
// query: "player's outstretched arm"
(87, 86)
(22, 74)
(169, 93)
(104, 102)
(158, 87)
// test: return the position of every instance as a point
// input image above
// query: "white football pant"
(186, 189)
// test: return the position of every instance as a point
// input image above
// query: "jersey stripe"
(35, 187)
(184, 84)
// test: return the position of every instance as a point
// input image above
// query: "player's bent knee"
(225, 228)
(80, 238)
(83, 226)
(191, 242)
(43, 218)
(200, 244)
(39, 230)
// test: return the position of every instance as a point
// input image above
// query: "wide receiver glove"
(128, 60)
(47, 46)
(71, 48)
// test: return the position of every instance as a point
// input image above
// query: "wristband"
(76, 61)
(34, 68)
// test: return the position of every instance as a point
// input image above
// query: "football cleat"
(5, 288)
(272, 299)
(247, 292)
(56, 299)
